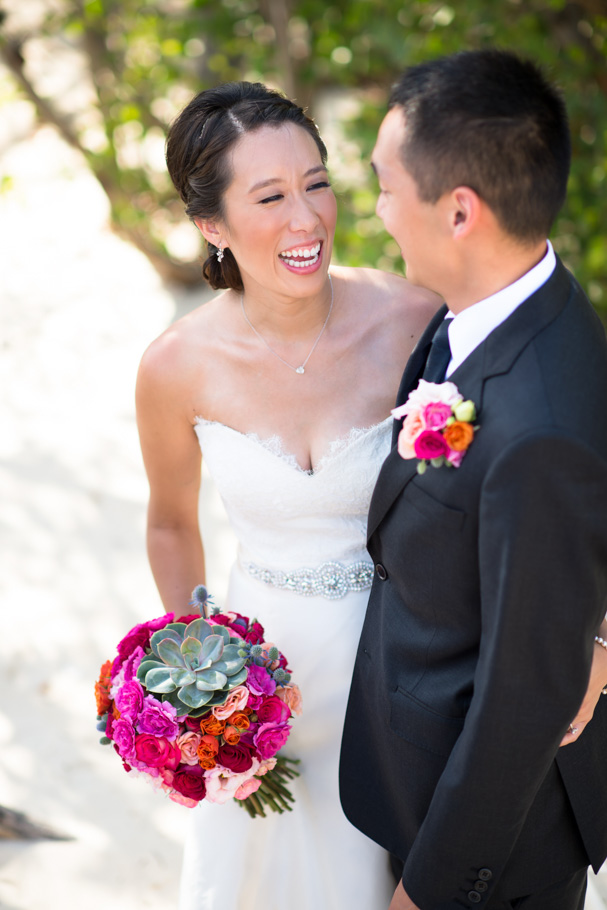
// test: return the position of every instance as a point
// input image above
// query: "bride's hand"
(598, 680)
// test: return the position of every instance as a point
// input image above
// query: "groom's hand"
(401, 901)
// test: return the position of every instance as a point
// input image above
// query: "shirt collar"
(470, 327)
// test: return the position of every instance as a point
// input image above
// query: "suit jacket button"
(481, 887)
(381, 572)
(485, 875)
(474, 897)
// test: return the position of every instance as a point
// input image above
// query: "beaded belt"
(331, 580)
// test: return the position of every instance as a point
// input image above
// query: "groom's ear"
(465, 211)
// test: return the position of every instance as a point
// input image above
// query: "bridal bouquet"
(200, 707)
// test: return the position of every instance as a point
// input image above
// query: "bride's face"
(280, 212)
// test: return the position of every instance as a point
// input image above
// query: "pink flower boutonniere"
(438, 425)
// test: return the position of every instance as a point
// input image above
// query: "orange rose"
(116, 712)
(458, 435)
(240, 720)
(102, 688)
(208, 748)
(231, 736)
(207, 763)
(291, 696)
(210, 724)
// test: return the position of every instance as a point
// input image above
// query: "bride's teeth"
(308, 255)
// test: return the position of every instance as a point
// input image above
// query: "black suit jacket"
(475, 653)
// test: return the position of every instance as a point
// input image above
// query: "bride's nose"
(304, 216)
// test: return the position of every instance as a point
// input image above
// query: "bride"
(285, 382)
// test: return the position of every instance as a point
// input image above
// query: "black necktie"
(440, 354)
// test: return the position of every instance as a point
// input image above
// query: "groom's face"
(414, 224)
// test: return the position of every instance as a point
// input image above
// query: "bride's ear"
(210, 230)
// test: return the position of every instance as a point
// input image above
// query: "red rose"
(189, 784)
(273, 710)
(237, 758)
(255, 634)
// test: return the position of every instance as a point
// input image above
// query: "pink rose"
(259, 681)
(153, 751)
(436, 415)
(430, 444)
(249, 786)
(188, 744)
(131, 664)
(455, 458)
(189, 784)
(412, 427)
(270, 738)
(182, 800)
(273, 711)
(222, 785)
(267, 765)
(123, 734)
(129, 699)
(291, 695)
(427, 393)
(236, 701)
(159, 718)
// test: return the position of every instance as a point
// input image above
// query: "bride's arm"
(598, 681)
(171, 456)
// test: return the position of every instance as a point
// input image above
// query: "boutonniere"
(438, 426)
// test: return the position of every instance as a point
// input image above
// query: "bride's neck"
(286, 318)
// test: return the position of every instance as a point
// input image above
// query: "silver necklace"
(301, 369)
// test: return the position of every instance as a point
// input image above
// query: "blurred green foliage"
(140, 62)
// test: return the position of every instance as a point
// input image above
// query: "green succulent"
(197, 666)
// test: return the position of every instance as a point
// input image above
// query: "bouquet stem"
(273, 792)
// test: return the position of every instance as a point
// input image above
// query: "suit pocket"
(421, 726)
(431, 508)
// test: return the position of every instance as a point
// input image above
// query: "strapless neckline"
(275, 446)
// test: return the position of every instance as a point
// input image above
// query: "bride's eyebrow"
(272, 180)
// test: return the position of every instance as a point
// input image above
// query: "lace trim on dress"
(275, 446)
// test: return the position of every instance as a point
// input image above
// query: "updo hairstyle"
(197, 150)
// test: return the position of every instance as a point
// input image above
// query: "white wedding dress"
(304, 572)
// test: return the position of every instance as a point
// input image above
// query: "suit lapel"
(494, 356)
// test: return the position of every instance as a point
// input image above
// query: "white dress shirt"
(470, 327)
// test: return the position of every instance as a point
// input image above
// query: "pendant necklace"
(301, 369)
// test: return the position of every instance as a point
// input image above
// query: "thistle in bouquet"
(201, 706)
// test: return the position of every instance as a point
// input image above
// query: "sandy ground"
(77, 309)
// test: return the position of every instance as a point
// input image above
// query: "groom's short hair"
(491, 121)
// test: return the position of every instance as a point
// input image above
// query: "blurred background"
(96, 259)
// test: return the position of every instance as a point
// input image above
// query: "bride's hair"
(197, 154)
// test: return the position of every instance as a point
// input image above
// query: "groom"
(490, 577)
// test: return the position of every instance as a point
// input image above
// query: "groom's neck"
(485, 267)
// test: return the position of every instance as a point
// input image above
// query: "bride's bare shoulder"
(390, 295)
(175, 354)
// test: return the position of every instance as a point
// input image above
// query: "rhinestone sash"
(331, 579)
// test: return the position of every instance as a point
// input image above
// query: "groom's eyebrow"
(272, 180)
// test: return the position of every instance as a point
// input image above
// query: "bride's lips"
(304, 259)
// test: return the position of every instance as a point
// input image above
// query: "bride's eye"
(319, 186)
(270, 199)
